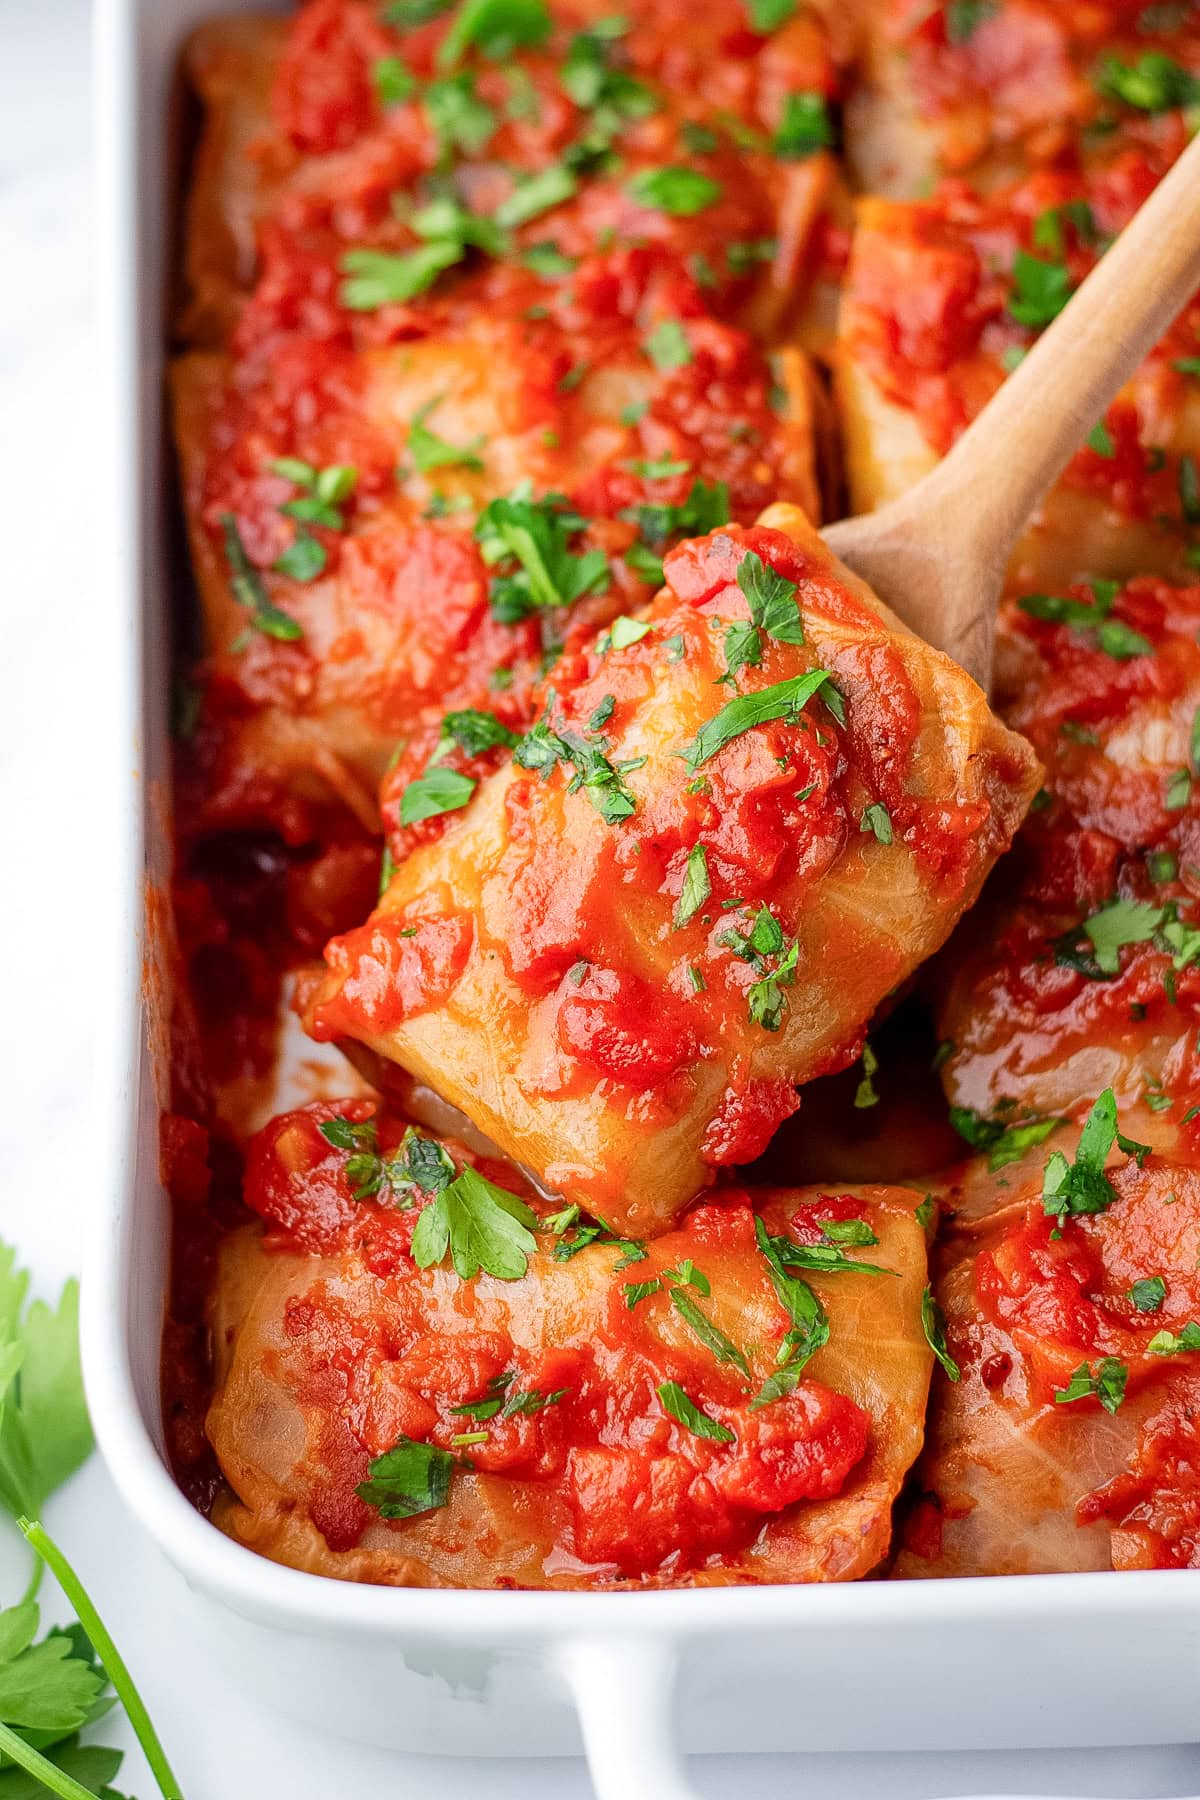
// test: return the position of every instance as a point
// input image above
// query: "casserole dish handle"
(623, 1690)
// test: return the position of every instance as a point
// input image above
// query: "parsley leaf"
(44, 1430)
(1148, 1294)
(1004, 1143)
(805, 127)
(703, 511)
(878, 821)
(1112, 635)
(1082, 1186)
(495, 28)
(408, 1479)
(710, 1335)
(964, 17)
(933, 1324)
(765, 997)
(535, 535)
(483, 1227)
(1040, 290)
(1154, 83)
(865, 1094)
(675, 189)
(1169, 1343)
(535, 195)
(383, 278)
(667, 346)
(1107, 1385)
(697, 888)
(249, 590)
(1121, 922)
(437, 791)
(701, 1424)
(429, 451)
(394, 81)
(768, 15)
(809, 1320)
(784, 700)
(774, 610)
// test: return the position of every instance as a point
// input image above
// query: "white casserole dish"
(1021, 1661)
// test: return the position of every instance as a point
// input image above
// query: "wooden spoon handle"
(1018, 446)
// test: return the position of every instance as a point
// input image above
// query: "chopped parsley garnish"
(865, 1094)
(1148, 1295)
(590, 79)
(506, 1402)
(304, 559)
(435, 792)
(535, 536)
(394, 80)
(1082, 1187)
(623, 632)
(458, 118)
(495, 28)
(1048, 227)
(1111, 635)
(697, 888)
(1099, 439)
(1188, 482)
(547, 260)
(1003, 1143)
(1170, 1343)
(1040, 290)
(1155, 83)
(783, 700)
(768, 15)
(382, 278)
(773, 609)
(774, 960)
(667, 346)
(1188, 365)
(476, 732)
(710, 1335)
(535, 195)
(409, 1478)
(419, 1165)
(429, 451)
(877, 820)
(805, 127)
(483, 1227)
(1107, 1385)
(249, 589)
(809, 1320)
(964, 17)
(748, 253)
(705, 509)
(1121, 922)
(675, 189)
(701, 1424)
(933, 1324)
(543, 748)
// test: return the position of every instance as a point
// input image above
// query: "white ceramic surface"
(834, 1673)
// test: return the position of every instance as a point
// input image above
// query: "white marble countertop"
(55, 844)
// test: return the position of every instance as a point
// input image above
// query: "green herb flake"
(697, 888)
(783, 700)
(667, 346)
(1107, 1385)
(408, 1479)
(933, 1324)
(701, 1424)
(804, 129)
(435, 792)
(675, 189)
(1148, 1295)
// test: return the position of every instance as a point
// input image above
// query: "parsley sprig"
(528, 543)
(783, 700)
(1081, 1187)
(545, 746)
(774, 613)
(773, 957)
(809, 1320)
(1113, 636)
(249, 590)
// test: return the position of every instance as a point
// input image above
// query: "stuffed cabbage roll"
(685, 130)
(944, 296)
(1062, 1428)
(425, 1380)
(741, 820)
(988, 92)
(1081, 968)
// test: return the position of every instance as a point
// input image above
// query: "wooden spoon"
(938, 554)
